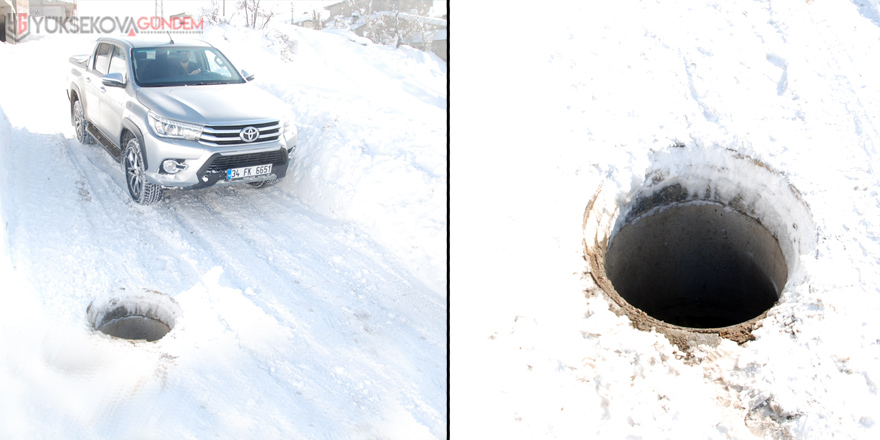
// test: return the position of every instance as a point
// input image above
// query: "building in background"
(9, 27)
(440, 45)
(15, 14)
(52, 8)
(392, 22)
(346, 8)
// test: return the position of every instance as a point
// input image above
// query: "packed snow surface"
(315, 308)
(601, 96)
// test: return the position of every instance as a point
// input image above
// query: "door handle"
(88, 79)
(103, 89)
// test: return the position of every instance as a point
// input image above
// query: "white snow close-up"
(762, 98)
(315, 308)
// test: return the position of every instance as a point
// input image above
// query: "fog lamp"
(172, 166)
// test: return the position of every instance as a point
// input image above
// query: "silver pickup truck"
(178, 114)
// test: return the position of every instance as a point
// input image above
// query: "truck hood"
(225, 104)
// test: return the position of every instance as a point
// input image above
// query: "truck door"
(97, 67)
(113, 98)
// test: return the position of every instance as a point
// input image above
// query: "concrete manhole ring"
(702, 248)
(141, 315)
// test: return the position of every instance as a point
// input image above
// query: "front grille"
(229, 134)
(223, 163)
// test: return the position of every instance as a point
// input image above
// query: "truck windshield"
(182, 66)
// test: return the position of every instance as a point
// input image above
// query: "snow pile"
(5, 140)
(372, 124)
(311, 309)
(7, 273)
(610, 88)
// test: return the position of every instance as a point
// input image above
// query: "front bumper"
(206, 165)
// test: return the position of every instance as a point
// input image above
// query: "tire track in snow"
(47, 225)
(114, 217)
(346, 321)
(231, 242)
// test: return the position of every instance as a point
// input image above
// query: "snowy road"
(293, 323)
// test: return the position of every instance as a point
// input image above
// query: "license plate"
(242, 173)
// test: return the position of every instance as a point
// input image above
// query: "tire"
(141, 191)
(263, 183)
(80, 123)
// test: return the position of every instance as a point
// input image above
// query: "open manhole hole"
(700, 265)
(702, 249)
(143, 315)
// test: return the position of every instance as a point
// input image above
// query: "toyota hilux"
(178, 115)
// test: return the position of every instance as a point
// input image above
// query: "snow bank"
(372, 131)
(5, 146)
(6, 268)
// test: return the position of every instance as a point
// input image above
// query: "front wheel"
(80, 123)
(141, 191)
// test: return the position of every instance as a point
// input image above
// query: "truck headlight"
(174, 129)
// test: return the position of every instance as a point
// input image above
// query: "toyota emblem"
(249, 134)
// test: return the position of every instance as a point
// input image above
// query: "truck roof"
(156, 41)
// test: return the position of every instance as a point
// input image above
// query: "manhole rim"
(603, 219)
(143, 303)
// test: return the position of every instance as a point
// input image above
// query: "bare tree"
(395, 28)
(316, 18)
(255, 16)
(212, 14)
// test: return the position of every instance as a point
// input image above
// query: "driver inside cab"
(185, 64)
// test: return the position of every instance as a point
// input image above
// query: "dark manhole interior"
(134, 327)
(697, 264)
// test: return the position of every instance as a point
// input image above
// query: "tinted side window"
(102, 58)
(117, 62)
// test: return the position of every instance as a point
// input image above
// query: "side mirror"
(247, 76)
(113, 80)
